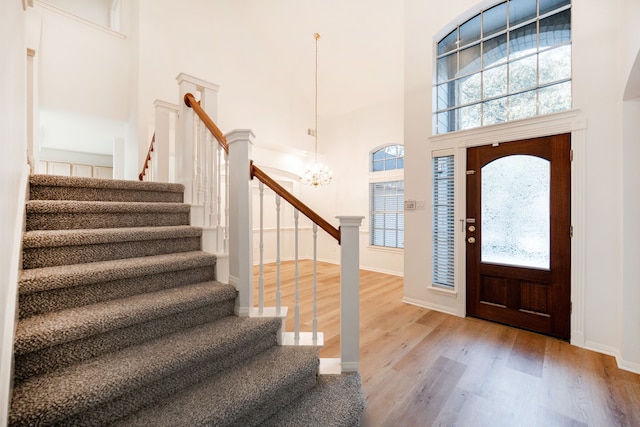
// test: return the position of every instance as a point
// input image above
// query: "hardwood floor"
(424, 368)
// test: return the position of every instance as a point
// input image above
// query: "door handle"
(471, 240)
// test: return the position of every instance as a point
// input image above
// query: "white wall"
(598, 90)
(262, 57)
(630, 315)
(83, 90)
(351, 138)
(13, 173)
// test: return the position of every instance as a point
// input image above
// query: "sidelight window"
(443, 216)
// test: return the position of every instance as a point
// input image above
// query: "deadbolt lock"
(472, 228)
(471, 240)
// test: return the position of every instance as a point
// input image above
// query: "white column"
(162, 148)
(185, 141)
(240, 214)
(350, 292)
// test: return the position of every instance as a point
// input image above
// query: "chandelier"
(316, 173)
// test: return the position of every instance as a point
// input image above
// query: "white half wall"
(13, 175)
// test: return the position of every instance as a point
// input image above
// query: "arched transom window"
(508, 62)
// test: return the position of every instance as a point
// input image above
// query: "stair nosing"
(39, 180)
(90, 236)
(88, 206)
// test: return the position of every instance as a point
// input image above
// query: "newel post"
(164, 148)
(350, 292)
(240, 219)
(188, 152)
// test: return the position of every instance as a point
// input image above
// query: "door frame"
(571, 121)
(514, 278)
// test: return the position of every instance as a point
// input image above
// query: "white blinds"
(443, 221)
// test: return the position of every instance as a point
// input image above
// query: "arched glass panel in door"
(515, 211)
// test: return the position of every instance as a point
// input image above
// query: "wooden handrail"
(296, 203)
(145, 166)
(191, 102)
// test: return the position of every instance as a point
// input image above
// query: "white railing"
(217, 171)
(183, 150)
(347, 236)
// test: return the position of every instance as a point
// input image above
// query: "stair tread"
(84, 182)
(335, 401)
(47, 278)
(48, 238)
(46, 330)
(228, 396)
(52, 397)
(74, 206)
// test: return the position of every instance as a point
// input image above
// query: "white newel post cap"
(237, 135)
(350, 221)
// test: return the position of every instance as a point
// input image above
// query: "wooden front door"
(518, 234)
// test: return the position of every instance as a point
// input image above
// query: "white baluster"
(218, 206)
(278, 255)
(297, 276)
(315, 283)
(261, 277)
(194, 160)
(226, 203)
(202, 159)
(206, 176)
(213, 171)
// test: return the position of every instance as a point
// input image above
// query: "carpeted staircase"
(121, 322)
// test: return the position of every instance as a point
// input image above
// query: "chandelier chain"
(316, 173)
(315, 130)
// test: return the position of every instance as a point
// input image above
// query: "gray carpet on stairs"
(121, 322)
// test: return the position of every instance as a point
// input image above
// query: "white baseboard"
(430, 306)
(612, 351)
(383, 271)
(628, 366)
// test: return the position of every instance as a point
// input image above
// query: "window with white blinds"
(443, 221)
(387, 214)
(386, 196)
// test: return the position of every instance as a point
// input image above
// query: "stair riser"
(131, 402)
(37, 192)
(75, 221)
(60, 356)
(67, 255)
(59, 299)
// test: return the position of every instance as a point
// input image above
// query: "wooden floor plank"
(424, 368)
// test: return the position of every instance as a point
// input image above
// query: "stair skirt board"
(122, 322)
